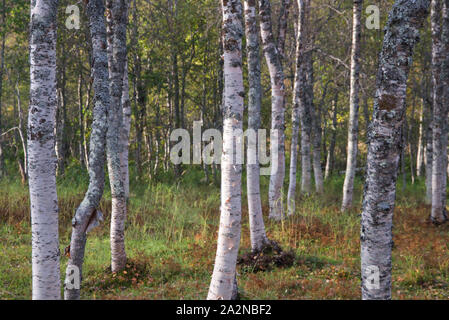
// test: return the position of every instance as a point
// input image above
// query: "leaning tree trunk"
(223, 284)
(41, 151)
(117, 21)
(384, 138)
(87, 215)
(353, 127)
(277, 110)
(298, 105)
(439, 153)
(256, 224)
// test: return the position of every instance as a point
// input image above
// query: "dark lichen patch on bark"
(388, 102)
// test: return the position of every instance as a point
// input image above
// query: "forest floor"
(171, 241)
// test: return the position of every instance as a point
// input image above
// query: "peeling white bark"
(42, 158)
(117, 20)
(256, 223)
(222, 284)
(353, 126)
(296, 111)
(272, 58)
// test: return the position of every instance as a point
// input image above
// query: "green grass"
(171, 237)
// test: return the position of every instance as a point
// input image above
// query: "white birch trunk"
(331, 150)
(438, 211)
(272, 58)
(384, 138)
(420, 152)
(305, 114)
(117, 59)
(222, 284)
(256, 224)
(125, 130)
(42, 158)
(353, 127)
(296, 112)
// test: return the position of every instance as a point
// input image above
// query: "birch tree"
(88, 214)
(297, 112)
(353, 127)
(223, 284)
(304, 112)
(256, 224)
(315, 114)
(273, 60)
(117, 20)
(331, 150)
(439, 123)
(124, 133)
(41, 151)
(384, 145)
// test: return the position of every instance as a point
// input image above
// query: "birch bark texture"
(298, 105)
(353, 126)
(223, 277)
(42, 157)
(384, 138)
(304, 112)
(439, 145)
(273, 60)
(331, 150)
(117, 20)
(315, 114)
(256, 223)
(87, 215)
(124, 133)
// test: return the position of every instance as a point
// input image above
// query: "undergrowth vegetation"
(171, 236)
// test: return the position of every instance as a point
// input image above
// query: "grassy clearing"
(171, 234)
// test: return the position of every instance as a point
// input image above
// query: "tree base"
(269, 256)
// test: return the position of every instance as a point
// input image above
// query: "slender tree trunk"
(438, 212)
(420, 154)
(331, 150)
(61, 117)
(445, 94)
(395, 60)
(81, 120)
(304, 112)
(277, 111)
(125, 129)
(24, 164)
(315, 114)
(353, 127)
(2, 65)
(88, 215)
(256, 224)
(117, 21)
(42, 158)
(429, 152)
(282, 27)
(223, 283)
(296, 112)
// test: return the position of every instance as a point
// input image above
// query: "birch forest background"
(353, 101)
